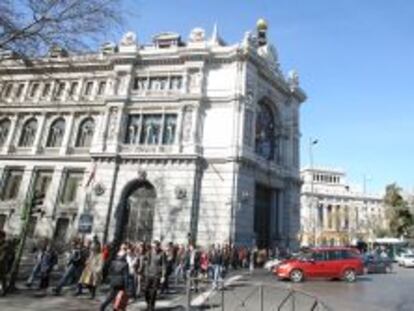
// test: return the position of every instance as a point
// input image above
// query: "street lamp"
(313, 142)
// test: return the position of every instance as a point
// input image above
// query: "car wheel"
(296, 275)
(349, 275)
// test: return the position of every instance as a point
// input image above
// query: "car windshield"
(409, 256)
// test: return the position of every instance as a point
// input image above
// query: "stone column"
(99, 137)
(325, 217)
(68, 133)
(12, 133)
(55, 189)
(114, 128)
(39, 134)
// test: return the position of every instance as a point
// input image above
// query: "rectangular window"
(101, 87)
(73, 89)
(60, 89)
(61, 230)
(170, 124)
(73, 181)
(8, 90)
(151, 127)
(34, 89)
(139, 83)
(176, 83)
(19, 90)
(88, 88)
(42, 182)
(46, 90)
(11, 186)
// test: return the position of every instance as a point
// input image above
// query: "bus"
(392, 246)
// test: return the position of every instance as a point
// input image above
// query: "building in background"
(333, 213)
(173, 140)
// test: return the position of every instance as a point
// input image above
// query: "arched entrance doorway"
(135, 212)
(141, 204)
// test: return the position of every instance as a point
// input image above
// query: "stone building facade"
(171, 140)
(333, 213)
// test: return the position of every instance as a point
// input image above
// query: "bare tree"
(31, 27)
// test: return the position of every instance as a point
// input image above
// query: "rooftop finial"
(214, 35)
(261, 26)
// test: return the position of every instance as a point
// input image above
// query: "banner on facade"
(85, 223)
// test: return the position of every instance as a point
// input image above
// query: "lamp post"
(313, 142)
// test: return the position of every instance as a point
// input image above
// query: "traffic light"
(37, 203)
(38, 199)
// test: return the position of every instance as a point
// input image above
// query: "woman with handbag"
(92, 273)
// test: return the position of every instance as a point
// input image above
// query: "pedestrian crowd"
(133, 270)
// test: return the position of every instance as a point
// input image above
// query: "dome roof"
(261, 24)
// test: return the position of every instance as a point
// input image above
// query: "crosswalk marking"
(200, 299)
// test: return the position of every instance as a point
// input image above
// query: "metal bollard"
(222, 299)
(293, 301)
(188, 307)
(261, 294)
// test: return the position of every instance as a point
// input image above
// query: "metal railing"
(246, 296)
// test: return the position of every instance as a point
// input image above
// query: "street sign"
(85, 223)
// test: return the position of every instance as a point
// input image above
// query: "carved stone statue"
(293, 79)
(128, 39)
(197, 35)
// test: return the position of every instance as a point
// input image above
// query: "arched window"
(28, 134)
(265, 132)
(85, 133)
(4, 131)
(56, 132)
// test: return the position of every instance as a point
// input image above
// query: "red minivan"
(323, 262)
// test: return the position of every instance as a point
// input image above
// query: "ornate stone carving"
(180, 193)
(194, 81)
(293, 79)
(99, 189)
(187, 124)
(197, 35)
(248, 127)
(142, 175)
(269, 53)
(113, 117)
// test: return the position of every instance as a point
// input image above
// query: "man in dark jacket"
(118, 277)
(48, 260)
(154, 271)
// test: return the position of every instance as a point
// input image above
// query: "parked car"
(377, 264)
(271, 264)
(327, 262)
(400, 256)
(407, 260)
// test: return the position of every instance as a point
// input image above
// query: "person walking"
(192, 266)
(92, 273)
(131, 259)
(169, 267)
(179, 271)
(155, 269)
(75, 264)
(3, 262)
(217, 263)
(48, 261)
(38, 258)
(118, 278)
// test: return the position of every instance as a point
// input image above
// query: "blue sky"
(355, 60)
